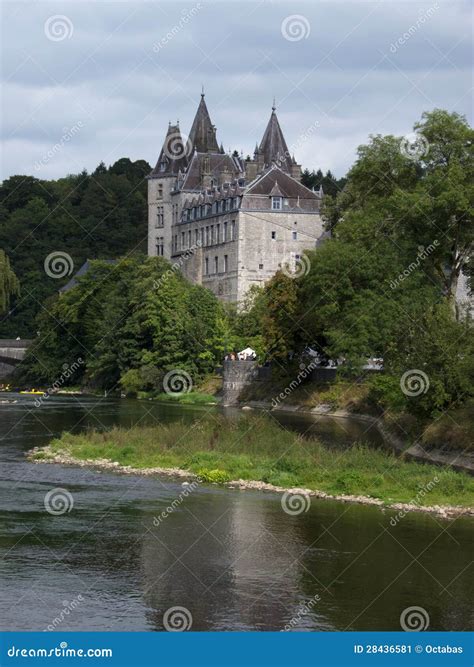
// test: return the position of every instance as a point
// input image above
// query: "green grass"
(191, 398)
(254, 447)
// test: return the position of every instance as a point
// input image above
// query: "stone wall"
(236, 376)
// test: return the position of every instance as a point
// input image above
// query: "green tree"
(8, 283)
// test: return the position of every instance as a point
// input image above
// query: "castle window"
(260, 266)
(206, 270)
(225, 232)
(222, 206)
(160, 190)
(276, 203)
(294, 235)
(212, 234)
(159, 246)
(182, 241)
(196, 236)
(218, 234)
(191, 212)
(163, 166)
(235, 202)
(274, 235)
(189, 239)
(215, 207)
(203, 238)
(207, 235)
(216, 264)
(232, 230)
(226, 263)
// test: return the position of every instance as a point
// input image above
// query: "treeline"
(127, 325)
(385, 284)
(382, 287)
(87, 216)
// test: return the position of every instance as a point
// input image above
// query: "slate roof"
(273, 145)
(82, 271)
(215, 164)
(203, 133)
(174, 154)
(274, 180)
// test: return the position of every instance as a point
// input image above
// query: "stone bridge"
(11, 354)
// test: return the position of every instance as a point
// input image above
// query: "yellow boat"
(33, 391)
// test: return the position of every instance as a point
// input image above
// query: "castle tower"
(273, 146)
(162, 212)
(203, 132)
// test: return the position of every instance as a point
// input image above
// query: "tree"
(8, 283)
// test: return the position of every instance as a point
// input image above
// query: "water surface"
(233, 558)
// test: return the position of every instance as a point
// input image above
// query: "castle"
(226, 221)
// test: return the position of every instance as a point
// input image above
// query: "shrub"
(213, 476)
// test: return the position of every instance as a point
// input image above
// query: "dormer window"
(276, 203)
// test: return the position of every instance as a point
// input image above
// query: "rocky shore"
(47, 455)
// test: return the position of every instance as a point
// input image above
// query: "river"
(232, 558)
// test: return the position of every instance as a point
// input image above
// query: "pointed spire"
(173, 155)
(203, 132)
(273, 145)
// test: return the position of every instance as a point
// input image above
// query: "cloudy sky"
(91, 81)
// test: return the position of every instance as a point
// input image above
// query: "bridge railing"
(12, 342)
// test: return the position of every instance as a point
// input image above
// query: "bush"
(213, 476)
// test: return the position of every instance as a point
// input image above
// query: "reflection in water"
(233, 558)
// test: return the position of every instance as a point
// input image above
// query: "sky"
(85, 82)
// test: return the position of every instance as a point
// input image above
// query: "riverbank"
(254, 452)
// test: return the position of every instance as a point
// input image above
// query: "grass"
(452, 431)
(253, 447)
(340, 395)
(191, 398)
